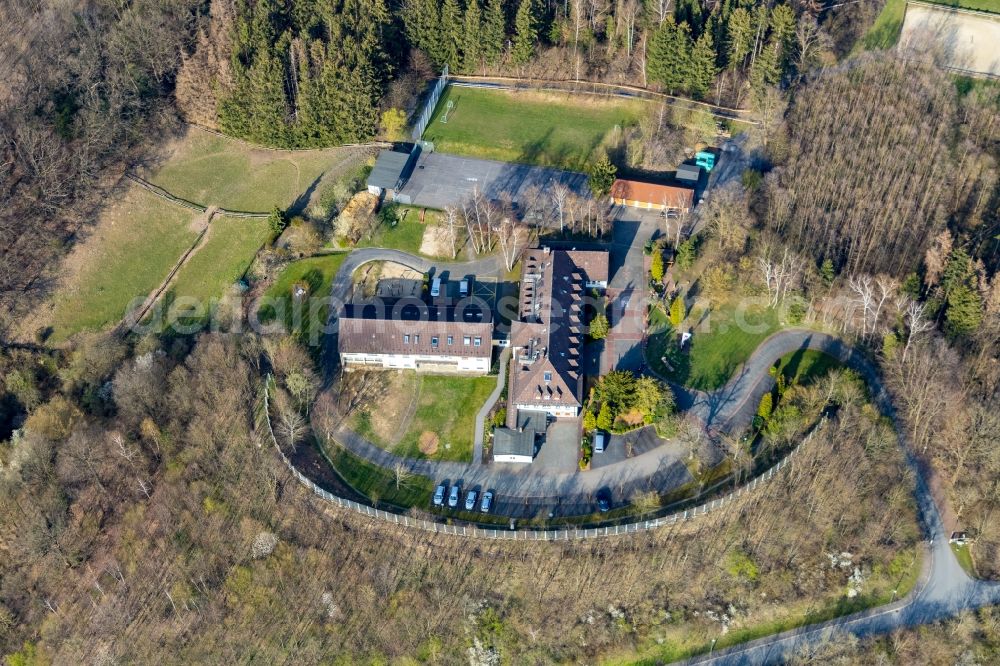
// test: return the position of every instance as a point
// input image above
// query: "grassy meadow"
(216, 171)
(131, 250)
(551, 129)
(221, 259)
(317, 274)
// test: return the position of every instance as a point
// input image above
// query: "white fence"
(526, 533)
(425, 115)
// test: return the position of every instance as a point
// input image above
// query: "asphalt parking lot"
(440, 180)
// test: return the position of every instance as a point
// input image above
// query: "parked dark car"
(604, 501)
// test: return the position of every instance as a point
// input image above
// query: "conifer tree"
(765, 71)
(451, 34)
(702, 71)
(494, 31)
(525, 32)
(604, 417)
(669, 55)
(472, 37)
(656, 265)
(677, 312)
(740, 37)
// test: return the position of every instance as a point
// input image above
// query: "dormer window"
(547, 376)
(478, 342)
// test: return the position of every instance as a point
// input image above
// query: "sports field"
(217, 171)
(550, 129)
(977, 5)
(965, 41)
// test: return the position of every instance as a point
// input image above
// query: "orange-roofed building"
(650, 195)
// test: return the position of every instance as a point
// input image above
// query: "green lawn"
(306, 320)
(213, 170)
(130, 252)
(446, 406)
(534, 128)
(978, 5)
(804, 366)
(378, 483)
(223, 256)
(885, 31)
(720, 343)
(964, 557)
(316, 273)
(408, 233)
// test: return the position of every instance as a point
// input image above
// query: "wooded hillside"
(84, 84)
(150, 518)
(882, 157)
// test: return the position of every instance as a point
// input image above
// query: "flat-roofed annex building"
(546, 373)
(410, 334)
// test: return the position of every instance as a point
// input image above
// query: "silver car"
(470, 500)
(453, 496)
(487, 503)
(439, 495)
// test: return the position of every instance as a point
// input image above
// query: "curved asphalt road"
(943, 589)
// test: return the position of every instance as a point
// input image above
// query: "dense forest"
(181, 533)
(318, 73)
(84, 88)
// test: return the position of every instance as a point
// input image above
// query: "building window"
(548, 376)
(477, 342)
(406, 339)
(451, 339)
(466, 341)
(434, 341)
(416, 339)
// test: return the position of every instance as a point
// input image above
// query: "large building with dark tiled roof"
(408, 333)
(546, 370)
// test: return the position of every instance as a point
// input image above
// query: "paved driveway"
(559, 450)
(631, 445)
(440, 180)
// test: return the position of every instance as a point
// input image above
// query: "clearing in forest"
(130, 251)
(221, 259)
(210, 169)
(550, 129)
